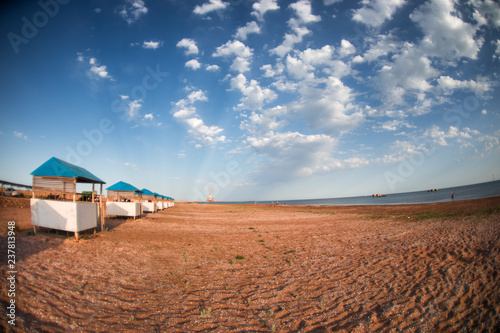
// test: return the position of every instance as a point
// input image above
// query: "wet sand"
(246, 268)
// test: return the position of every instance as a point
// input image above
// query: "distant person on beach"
(452, 196)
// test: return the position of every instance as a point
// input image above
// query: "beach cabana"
(62, 211)
(171, 202)
(124, 200)
(159, 201)
(149, 201)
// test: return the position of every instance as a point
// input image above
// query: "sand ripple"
(305, 269)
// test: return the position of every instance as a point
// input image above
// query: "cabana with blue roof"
(170, 202)
(159, 201)
(149, 201)
(124, 200)
(59, 179)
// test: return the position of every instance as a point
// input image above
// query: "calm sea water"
(475, 191)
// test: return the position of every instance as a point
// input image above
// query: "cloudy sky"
(257, 99)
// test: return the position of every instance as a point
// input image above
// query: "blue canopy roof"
(145, 191)
(55, 167)
(122, 186)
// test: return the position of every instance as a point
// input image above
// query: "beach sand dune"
(253, 268)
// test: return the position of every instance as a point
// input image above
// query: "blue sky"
(257, 99)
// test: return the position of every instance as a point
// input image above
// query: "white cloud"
(263, 6)
(346, 48)
(446, 35)
(338, 69)
(393, 125)
(206, 134)
(487, 11)
(298, 69)
(292, 155)
(210, 6)
(193, 64)
(132, 10)
(410, 71)
(330, 108)
(375, 12)
(384, 45)
(240, 65)
(449, 84)
(212, 68)
(313, 60)
(151, 45)
(148, 116)
(268, 71)
(315, 57)
(497, 49)
(260, 123)
(290, 40)
(100, 71)
(233, 48)
(251, 28)
(189, 44)
(184, 108)
(133, 108)
(20, 135)
(185, 112)
(401, 151)
(254, 96)
(198, 95)
(242, 53)
(490, 143)
(304, 15)
(304, 12)
(453, 133)
(96, 71)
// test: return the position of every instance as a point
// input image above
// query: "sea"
(474, 191)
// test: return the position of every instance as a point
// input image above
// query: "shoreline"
(286, 203)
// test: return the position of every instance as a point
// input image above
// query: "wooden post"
(74, 190)
(102, 209)
(33, 195)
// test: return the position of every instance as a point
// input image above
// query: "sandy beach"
(253, 268)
